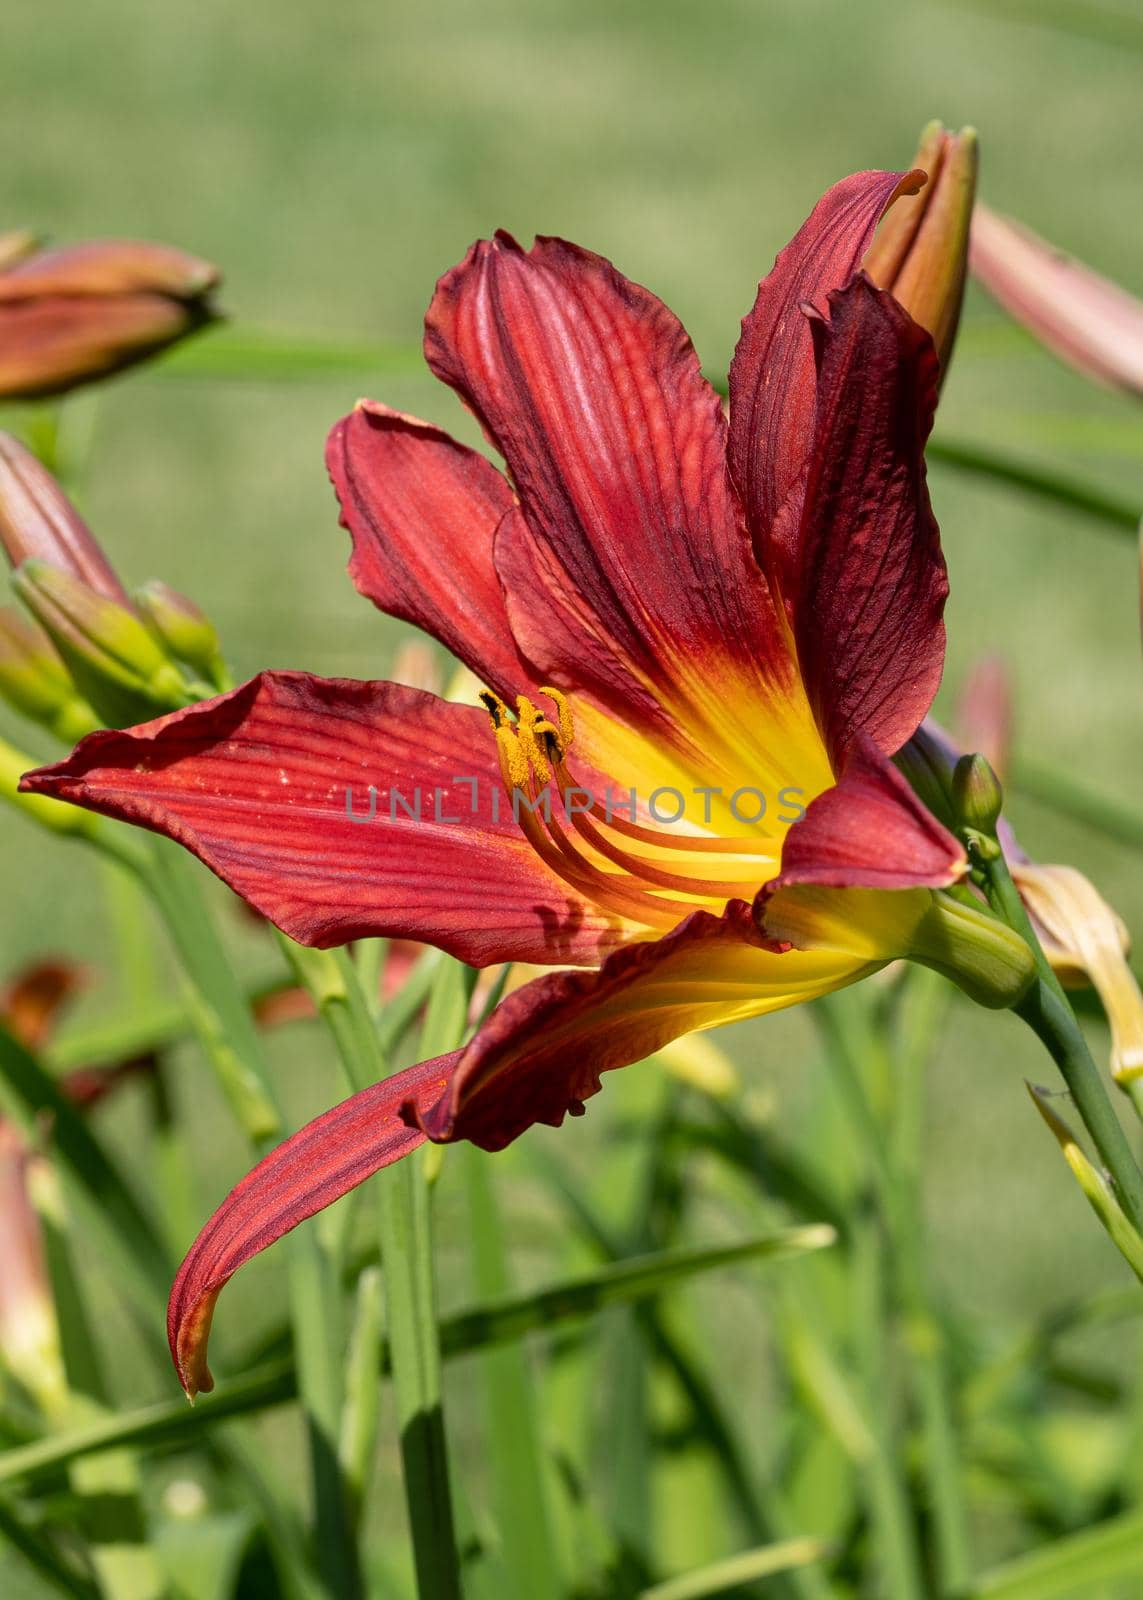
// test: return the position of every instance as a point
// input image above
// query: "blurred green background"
(335, 160)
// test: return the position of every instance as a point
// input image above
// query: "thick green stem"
(1046, 1011)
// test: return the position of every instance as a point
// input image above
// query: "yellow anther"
(563, 711)
(513, 760)
(531, 726)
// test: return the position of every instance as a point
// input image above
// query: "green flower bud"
(976, 794)
(187, 632)
(34, 682)
(112, 657)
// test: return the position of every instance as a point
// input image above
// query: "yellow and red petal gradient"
(255, 784)
(772, 383)
(866, 579)
(539, 1056)
(628, 573)
(869, 831)
(422, 510)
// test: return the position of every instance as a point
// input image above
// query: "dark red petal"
(772, 383)
(631, 558)
(255, 784)
(317, 1166)
(541, 1053)
(870, 581)
(870, 831)
(422, 511)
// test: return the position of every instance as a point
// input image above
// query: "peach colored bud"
(71, 316)
(1085, 319)
(37, 520)
(921, 249)
(110, 267)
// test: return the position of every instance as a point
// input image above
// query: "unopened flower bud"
(70, 316)
(113, 659)
(920, 253)
(33, 680)
(38, 520)
(976, 794)
(186, 631)
(928, 761)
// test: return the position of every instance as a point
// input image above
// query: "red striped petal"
(868, 581)
(317, 1166)
(258, 784)
(630, 560)
(422, 511)
(772, 384)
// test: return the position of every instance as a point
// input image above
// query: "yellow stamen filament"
(533, 750)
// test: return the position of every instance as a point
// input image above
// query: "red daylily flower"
(675, 603)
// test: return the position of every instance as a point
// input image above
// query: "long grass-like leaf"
(171, 1422)
(1071, 1568)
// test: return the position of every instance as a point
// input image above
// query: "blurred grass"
(336, 160)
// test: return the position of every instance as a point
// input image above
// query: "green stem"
(1046, 1011)
(888, 1494)
(406, 1257)
(230, 1038)
(923, 1004)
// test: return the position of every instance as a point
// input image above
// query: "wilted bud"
(30, 1005)
(1087, 943)
(1085, 319)
(34, 683)
(976, 794)
(70, 316)
(187, 632)
(113, 659)
(38, 520)
(921, 250)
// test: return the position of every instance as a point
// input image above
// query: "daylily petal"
(1088, 321)
(539, 1056)
(259, 784)
(629, 574)
(323, 1161)
(870, 831)
(868, 578)
(772, 384)
(542, 1052)
(422, 511)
